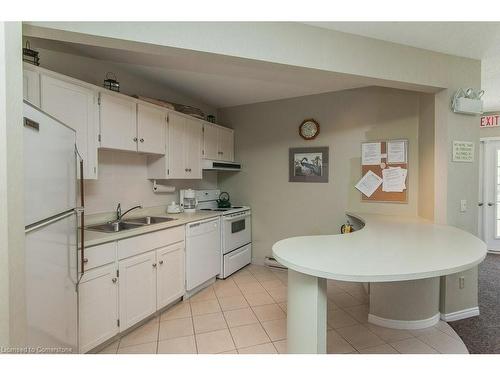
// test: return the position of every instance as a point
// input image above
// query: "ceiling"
(477, 40)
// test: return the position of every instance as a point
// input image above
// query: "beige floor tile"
(280, 346)
(339, 318)
(233, 302)
(250, 335)
(283, 306)
(444, 343)
(259, 349)
(251, 288)
(240, 317)
(445, 327)
(330, 305)
(379, 349)
(179, 345)
(359, 336)
(258, 299)
(272, 284)
(244, 279)
(214, 342)
(361, 296)
(227, 289)
(354, 288)
(412, 346)
(205, 307)
(268, 312)
(204, 295)
(266, 277)
(345, 300)
(256, 268)
(229, 352)
(111, 348)
(209, 322)
(147, 348)
(276, 329)
(279, 294)
(360, 313)
(141, 335)
(423, 331)
(335, 344)
(180, 310)
(389, 334)
(170, 329)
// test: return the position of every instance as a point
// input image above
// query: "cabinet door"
(150, 129)
(98, 307)
(31, 87)
(118, 118)
(170, 276)
(137, 288)
(193, 143)
(176, 146)
(210, 147)
(75, 106)
(226, 144)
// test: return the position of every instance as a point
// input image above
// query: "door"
(98, 306)
(118, 117)
(170, 274)
(176, 146)
(51, 282)
(31, 86)
(137, 288)
(193, 145)
(75, 106)
(150, 129)
(489, 200)
(226, 144)
(210, 147)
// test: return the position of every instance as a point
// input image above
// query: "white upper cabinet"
(118, 122)
(151, 124)
(75, 106)
(193, 138)
(31, 86)
(218, 142)
(176, 167)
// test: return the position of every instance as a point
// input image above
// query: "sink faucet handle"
(119, 211)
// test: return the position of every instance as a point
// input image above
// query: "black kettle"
(223, 201)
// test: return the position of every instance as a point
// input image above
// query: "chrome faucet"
(119, 214)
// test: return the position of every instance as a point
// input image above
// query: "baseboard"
(462, 314)
(403, 324)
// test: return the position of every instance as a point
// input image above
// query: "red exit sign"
(490, 121)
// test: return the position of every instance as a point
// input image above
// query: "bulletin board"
(385, 196)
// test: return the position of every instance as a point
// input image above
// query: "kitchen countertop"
(387, 248)
(93, 238)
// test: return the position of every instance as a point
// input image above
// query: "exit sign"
(490, 121)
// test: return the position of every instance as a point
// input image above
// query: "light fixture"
(467, 101)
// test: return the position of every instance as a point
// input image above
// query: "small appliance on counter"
(174, 208)
(188, 200)
(223, 201)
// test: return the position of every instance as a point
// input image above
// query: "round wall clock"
(309, 129)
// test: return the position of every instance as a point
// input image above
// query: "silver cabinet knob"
(185, 169)
(491, 204)
(480, 204)
(161, 262)
(142, 140)
(154, 265)
(114, 280)
(135, 139)
(85, 260)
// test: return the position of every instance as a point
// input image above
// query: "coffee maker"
(188, 200)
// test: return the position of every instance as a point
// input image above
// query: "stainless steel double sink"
(118, 226)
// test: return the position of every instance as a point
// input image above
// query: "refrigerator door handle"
(32, 227)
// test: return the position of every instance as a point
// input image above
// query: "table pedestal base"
(306, 314)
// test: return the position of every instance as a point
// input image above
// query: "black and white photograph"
(309, 164)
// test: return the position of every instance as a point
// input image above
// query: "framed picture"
(308, 164)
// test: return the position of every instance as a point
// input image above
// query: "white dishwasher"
(203, 251)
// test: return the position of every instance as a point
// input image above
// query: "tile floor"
(246, 314)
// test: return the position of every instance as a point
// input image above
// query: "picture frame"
(308, 164)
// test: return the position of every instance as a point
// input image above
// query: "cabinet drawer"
(150, 241)
(237, 259)
(99, 255)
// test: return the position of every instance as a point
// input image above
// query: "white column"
(306, 314)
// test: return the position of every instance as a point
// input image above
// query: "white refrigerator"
(51, 222)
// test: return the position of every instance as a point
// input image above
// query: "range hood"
(217, 165)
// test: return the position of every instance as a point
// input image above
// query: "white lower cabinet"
(98, 305)
(137, 288)
(170, 275)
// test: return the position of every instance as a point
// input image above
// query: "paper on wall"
(396, 152)
(394, 179)
(371, 153)
(368, 183)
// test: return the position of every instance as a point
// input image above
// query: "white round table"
(387, 248)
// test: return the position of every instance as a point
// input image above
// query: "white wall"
(263, 134)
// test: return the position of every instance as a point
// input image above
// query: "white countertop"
(93, 238)
(388, 248)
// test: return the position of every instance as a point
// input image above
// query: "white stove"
(236, 231)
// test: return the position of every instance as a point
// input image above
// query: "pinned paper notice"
(396, 152)
(394, 179)
(371, 153)
(369, 183)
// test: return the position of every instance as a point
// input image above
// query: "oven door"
(236, 230)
